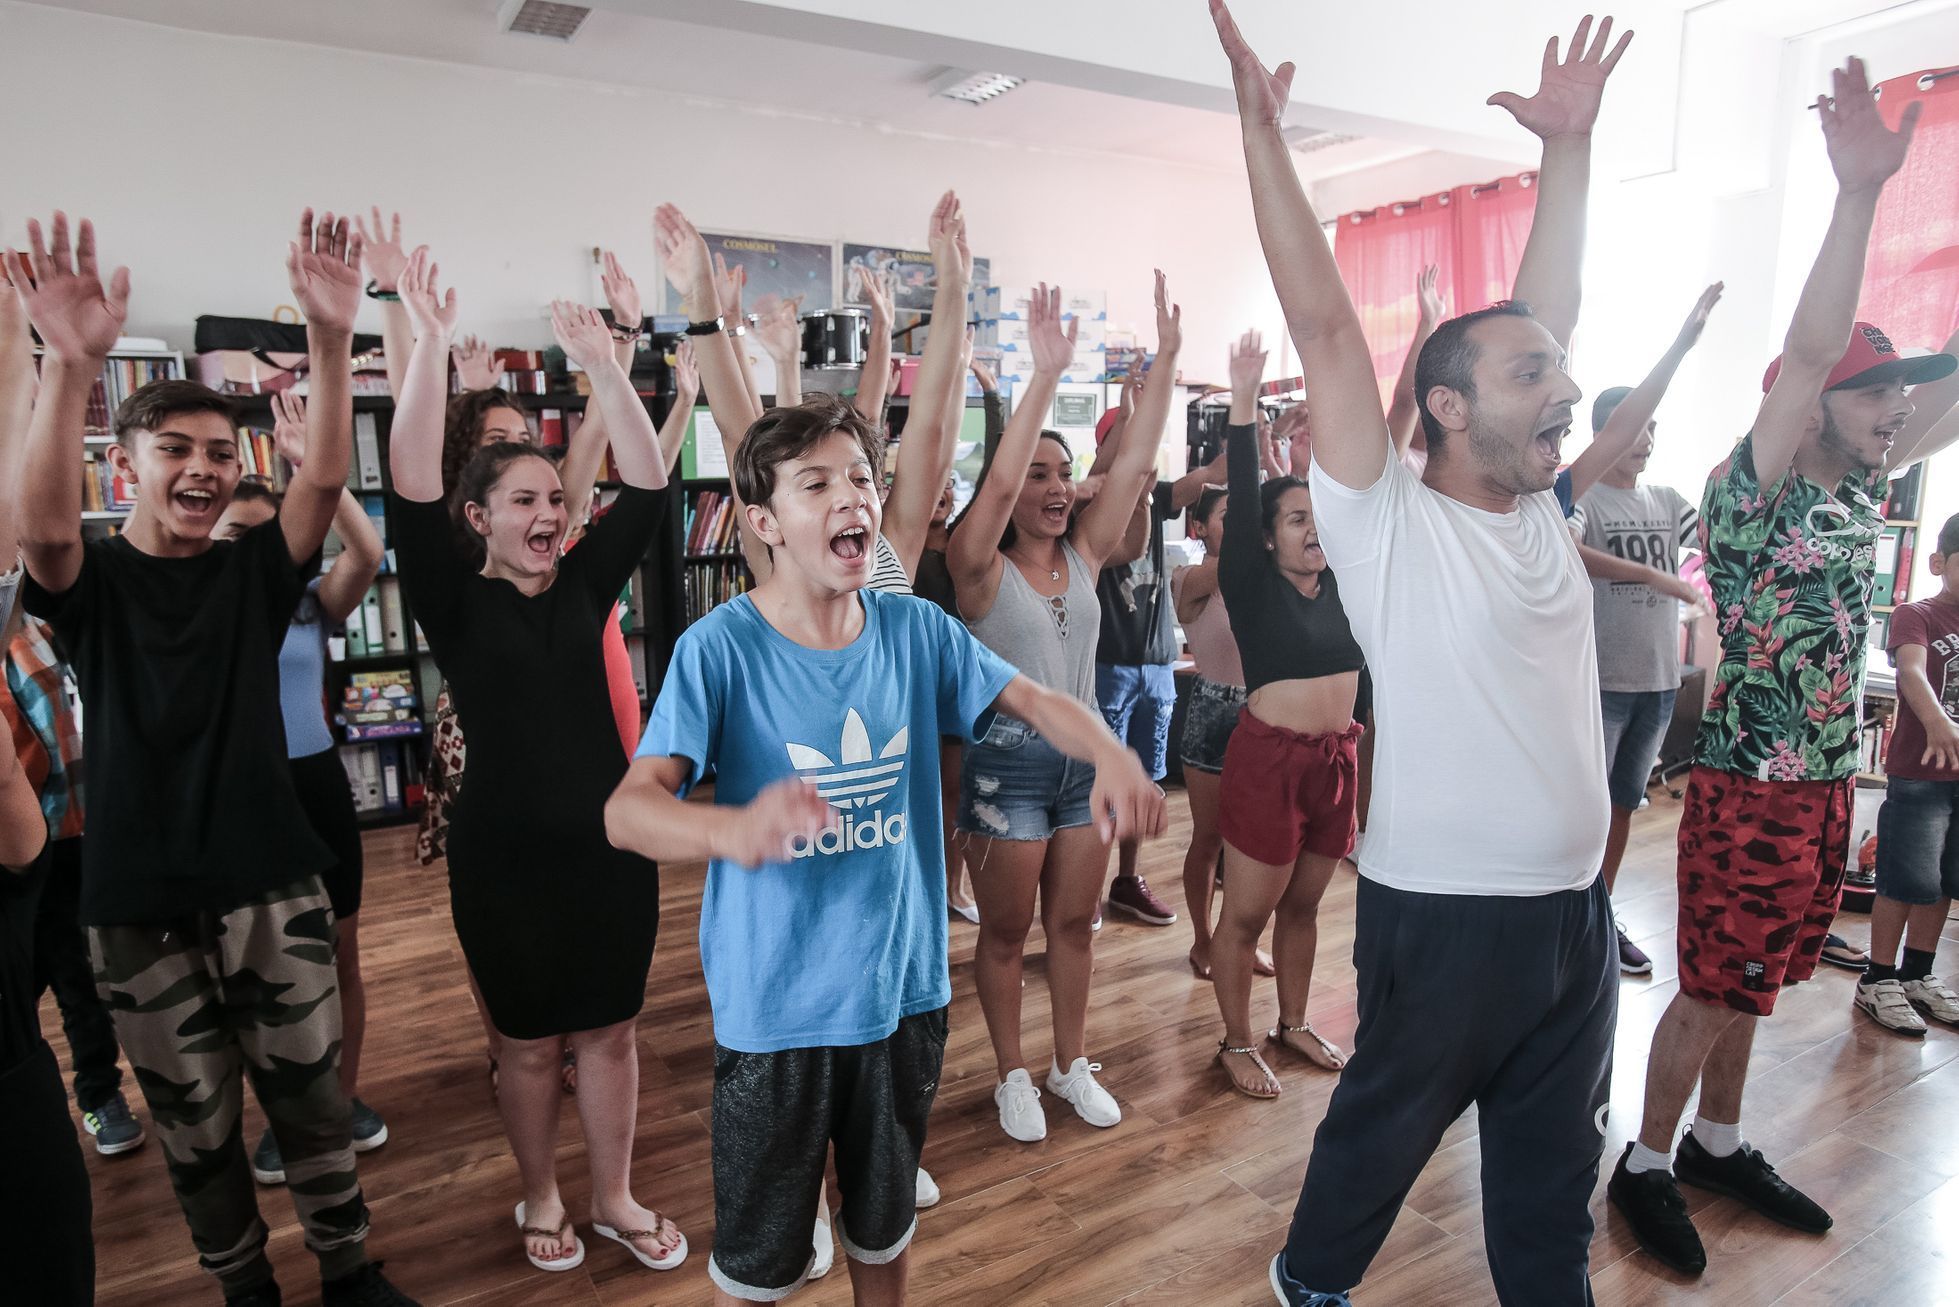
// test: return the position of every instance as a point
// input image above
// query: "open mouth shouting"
(1549, 442)
(851, 545)
(198, 505)
(542, 545)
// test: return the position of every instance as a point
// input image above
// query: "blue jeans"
(1014, 785)
(1635, 725)
(1138, 703)
(1917, 856)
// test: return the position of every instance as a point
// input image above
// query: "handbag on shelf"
(251, 356)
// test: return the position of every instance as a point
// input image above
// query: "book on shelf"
(131, 366)
(706, 584)
(711, 525)
(105, 490)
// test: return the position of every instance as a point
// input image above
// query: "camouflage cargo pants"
(201, 1000)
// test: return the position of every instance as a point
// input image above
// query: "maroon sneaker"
(1131, 894)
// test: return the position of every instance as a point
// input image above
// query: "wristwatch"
(737, 331)
(706, 328)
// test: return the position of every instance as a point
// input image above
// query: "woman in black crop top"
(1287, 806)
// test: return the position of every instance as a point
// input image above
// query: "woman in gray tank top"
(1024, 568)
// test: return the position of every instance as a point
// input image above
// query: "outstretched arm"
(587, 341)
(686, 389)
(1099, 530)
(973, 554)
(384, 258)
(1561, 114)
(1342, 394)
(585, 455)
(874, 378)
(647, 816)
(415, 438)
(925, 454)
(16, 411)
(323, 266)
(79, 319)
(1126, 803)
(359, 560)
(1404, 414)
(778, 330)
(1637, 409)
(1864, 154)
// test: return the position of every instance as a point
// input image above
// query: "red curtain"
(1475, 234)
(1911, 278)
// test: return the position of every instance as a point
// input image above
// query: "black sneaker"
(265, 1295)
(1746, 1176)
(366, 1287)
(267, 1166)
(369, 1130)
(115, 1130)
(1651, 1203)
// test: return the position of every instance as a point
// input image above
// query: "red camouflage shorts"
(1761, 870)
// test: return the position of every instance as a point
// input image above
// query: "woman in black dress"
(556, 924)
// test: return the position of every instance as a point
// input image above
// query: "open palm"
(1053, 349)
(948, 235)
(1864, 153)
(1262, 95)
(684, 258)
(429, 312)
(77, 316)
(621, 293)
(323, 266)
(1569, 91)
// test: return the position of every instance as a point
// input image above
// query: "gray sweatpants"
(1507, 1003)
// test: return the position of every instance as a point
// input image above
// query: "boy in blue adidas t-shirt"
(823, 925)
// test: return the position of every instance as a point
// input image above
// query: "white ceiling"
(772, 74)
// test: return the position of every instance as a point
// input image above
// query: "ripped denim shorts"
(1014, 785)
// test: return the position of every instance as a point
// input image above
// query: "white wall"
(195, 153)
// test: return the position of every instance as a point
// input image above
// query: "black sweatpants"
(61, 964)
(1507, 1003)
(45, 1208)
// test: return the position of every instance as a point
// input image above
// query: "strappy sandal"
(1224, 1046)
(1334, 1058)
(570, 1262)
(626, 1238)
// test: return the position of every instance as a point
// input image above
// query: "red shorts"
(1284, 793)
(1761, 870)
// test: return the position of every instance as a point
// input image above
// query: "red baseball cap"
(1871, 359)
(1105, 424)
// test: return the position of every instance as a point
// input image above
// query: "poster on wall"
(910, 271)
(780, 267)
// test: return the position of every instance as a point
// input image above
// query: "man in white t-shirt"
(1483, 945)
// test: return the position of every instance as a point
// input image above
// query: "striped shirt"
(888, 570)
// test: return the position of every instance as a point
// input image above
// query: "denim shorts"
(1208, 722)
(1137, 703)
(1014, 785)
(775, 1118)
(1635, 726)
(1917, 854)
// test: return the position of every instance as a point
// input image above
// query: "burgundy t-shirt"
(1933, 623)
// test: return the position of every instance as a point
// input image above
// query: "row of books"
(706, 584)
(379, 706)
(105, 490)
(379, 625)
(385, 777)
(121, 377)
(711, 526)
(259, 457)
(1871, 745)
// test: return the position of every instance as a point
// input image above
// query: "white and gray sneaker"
(1932, 996)
(926, 1191)
(1020, 1107)
(1886, 1002)
(1092, 1103)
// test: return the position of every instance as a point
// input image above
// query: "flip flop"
(568, 1263)
(624, 1238)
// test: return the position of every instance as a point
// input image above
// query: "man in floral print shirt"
(1789, 528)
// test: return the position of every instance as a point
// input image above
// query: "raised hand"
(384, 255)
(324, 268)
(1053, 349)
(62, 291)
(946, 234)
(1690, 330)
(1864, 153)
(729, 282)
(778, 325)
(770, 821)
(1433, 309)
(1132, 388)
(289, 427)
(621, 294)
(428, 310)
(1169, 320)
(582, 334)
(1262, 95)
(874, 289)
(1247, 366)
(477, 366)
(1272, 453)
(684, 259)
(686, 376)
(1568, 92)
(988, 383)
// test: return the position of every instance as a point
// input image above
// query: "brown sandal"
(1334, 1059)
(570, 1261)
(1224, 1046)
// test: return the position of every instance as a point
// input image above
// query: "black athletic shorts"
(775, 1117)
(329, 804)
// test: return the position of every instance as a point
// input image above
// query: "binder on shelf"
(367, 451)
(394, 633)
(370, 614)
(391, 780)
(356, 628)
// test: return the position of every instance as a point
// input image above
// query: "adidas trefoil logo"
(856, 779)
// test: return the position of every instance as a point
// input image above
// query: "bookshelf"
(106, 498)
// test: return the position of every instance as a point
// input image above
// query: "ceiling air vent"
(973, 88)
(554, 22)
(1305, 140)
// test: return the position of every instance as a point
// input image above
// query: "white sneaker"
(1886, 1002)
(1931, 994)
(1020, 1108)
(826, 1252)
(927, 1194)
(1093, 1103)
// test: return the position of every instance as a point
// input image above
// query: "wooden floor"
(1183, 1203)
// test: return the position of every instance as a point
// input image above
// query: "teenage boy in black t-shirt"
(210, 933)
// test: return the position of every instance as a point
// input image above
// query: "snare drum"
(838, 338)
